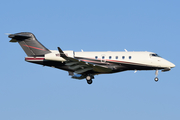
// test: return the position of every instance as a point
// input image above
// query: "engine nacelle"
(69, 53)
(54, 57)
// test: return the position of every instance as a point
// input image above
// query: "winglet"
(61, 53)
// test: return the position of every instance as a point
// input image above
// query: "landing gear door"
(103, 60)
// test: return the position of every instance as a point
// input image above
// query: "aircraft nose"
(172, 65)
(169, 64)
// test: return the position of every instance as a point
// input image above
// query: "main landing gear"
(156, 78)
(89, 79)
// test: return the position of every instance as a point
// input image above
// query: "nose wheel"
(156, 78)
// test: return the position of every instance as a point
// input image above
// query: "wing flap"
(83, 70)
(101, 69)
(71, 63)
(74, 67)
(83, 65)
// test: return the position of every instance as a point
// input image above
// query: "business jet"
(85, 65)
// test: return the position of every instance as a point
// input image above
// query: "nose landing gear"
(156, 78)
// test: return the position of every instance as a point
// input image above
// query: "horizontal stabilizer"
(19, 36)
(16, 37)
(13, 40)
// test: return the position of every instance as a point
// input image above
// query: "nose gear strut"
(156, 78)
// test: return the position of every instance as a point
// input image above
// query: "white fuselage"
(142, 58)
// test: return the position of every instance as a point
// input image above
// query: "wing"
(81, 67)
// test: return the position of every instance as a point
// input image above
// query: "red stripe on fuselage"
(33, 58)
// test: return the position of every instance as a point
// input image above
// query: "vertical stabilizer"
(29, 43)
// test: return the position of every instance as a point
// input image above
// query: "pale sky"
(32, 92)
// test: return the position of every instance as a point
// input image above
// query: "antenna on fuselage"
(125, 50)
(7, 33)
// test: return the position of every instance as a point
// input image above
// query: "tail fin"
(29, 43)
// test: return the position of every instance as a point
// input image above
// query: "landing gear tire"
(89, 79)
(156, 79)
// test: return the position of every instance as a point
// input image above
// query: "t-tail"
(29, 43)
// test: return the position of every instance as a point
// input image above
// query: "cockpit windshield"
(155, 55)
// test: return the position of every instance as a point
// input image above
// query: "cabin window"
(110, 57)
(103, 57)
(123, 57)
(129, 57)
(96, 57)
(116, 57)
